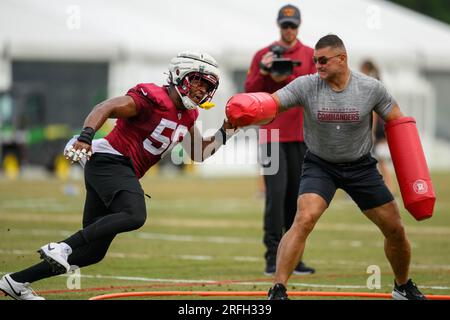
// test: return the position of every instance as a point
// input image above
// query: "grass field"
(205, 235)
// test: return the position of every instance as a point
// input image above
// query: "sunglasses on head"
(289, 25)
(323, 60)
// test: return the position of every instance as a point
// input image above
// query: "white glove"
(80, 156)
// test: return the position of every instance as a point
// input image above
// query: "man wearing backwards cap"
(288, 146)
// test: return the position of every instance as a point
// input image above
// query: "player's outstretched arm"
(199, 148)
(119, 107)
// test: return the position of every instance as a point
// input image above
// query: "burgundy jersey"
(155, 130)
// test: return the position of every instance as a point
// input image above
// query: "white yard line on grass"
(146, 235)
(243, 283)
(191, 238)
(122, 255)
(192, 223)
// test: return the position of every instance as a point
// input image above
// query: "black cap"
(289, 13)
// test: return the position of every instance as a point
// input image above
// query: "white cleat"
(56, 255)
(17, 290)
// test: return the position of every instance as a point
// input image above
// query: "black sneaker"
(277, 292)
(302, 268)
(270, 269)
(407, 291)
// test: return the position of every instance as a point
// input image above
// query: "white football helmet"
(187, 66)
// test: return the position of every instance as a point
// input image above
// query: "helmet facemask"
(187, 69)
(184, 89)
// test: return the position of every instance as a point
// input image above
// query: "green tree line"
(438, 9)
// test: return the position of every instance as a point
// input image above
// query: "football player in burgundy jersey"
(151, 119)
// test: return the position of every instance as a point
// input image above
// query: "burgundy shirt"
(289, 123)
(154, 131)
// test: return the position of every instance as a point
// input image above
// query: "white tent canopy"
(228, 29)
(139, 37)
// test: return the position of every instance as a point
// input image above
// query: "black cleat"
(270, 269)
(277, 292)
(302, 268)
(407, 291)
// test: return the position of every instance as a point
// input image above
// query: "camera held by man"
(280, 66)
(278, 61)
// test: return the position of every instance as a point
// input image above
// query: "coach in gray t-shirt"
(338, 106)
(332, 116)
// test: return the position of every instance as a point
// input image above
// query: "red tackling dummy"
(410, 167)
(245, 109)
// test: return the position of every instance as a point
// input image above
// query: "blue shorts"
(360, 179)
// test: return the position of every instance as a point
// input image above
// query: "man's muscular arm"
(120, 107)
(278, 103)
(395, 113)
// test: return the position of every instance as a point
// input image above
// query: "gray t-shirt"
(338, 125)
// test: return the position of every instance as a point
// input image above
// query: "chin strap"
(187, 102)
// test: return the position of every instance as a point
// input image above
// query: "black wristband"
(86, 135)
(224, 135)
(220, 136)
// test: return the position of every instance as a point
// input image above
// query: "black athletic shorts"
(108, 174)
(360, 179)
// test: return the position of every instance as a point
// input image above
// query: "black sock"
(37, 272)
(76, 240)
